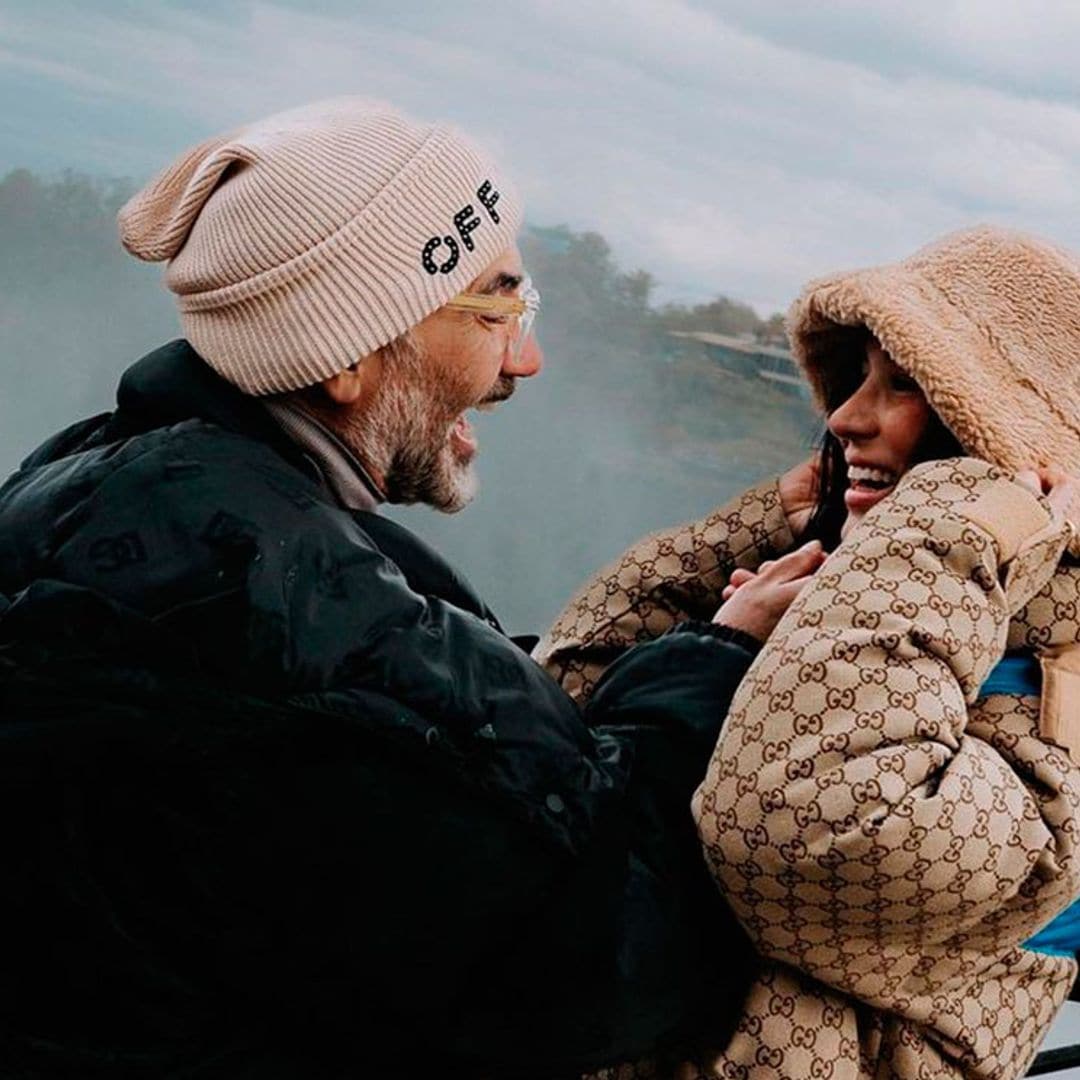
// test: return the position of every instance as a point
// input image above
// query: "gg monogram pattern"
(1051, 617)
(668, 577)
(889, 839)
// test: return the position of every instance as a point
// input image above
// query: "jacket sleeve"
(674, 693)
(633, 943)
(664, 579)
(861, 832)
(472, 702)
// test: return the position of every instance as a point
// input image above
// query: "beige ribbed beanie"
(303, 242)
(986, 320)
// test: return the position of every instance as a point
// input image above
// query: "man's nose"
(528, 362)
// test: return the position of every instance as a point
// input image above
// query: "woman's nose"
(856, 418)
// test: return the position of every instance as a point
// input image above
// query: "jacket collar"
(341, 470)
(173, 384)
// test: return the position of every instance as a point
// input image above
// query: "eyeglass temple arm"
(499, 305)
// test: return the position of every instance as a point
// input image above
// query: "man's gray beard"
(423, 468)
(405, 434)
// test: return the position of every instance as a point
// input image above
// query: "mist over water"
(626, 430)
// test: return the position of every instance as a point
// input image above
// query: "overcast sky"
(733, 147)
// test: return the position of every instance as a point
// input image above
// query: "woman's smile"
(879, 427)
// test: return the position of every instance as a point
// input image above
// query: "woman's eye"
(494, 320)
(905, 384)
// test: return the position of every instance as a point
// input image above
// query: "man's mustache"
(503, 388)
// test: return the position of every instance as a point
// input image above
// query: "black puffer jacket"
(281, 799)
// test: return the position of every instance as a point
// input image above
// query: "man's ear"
(345, 387)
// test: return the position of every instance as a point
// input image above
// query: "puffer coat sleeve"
(664, 579)
(877, 827)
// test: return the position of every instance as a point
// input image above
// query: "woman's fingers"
(798, 494)
(1029, 478)
(741, 576)
(795, 564)
(738, 578)
(1060, 489)
(1059, 486)
(758, 604)
(800, 561)
(786, 591)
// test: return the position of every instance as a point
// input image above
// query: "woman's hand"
(755, 602)
(1059, 487)
(798, 494)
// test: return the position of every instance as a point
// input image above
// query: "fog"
(628, 428)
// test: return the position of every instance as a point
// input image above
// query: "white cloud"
(1029, 47)
(13, 62)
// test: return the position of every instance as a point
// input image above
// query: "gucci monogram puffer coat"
(888, 837)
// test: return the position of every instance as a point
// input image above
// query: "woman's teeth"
(861, 476)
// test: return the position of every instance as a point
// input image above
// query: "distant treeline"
(625, 430)
(584, 260)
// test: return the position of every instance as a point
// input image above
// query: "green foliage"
(579, 278)
(724, 316)
(595, 319)
(773, 331)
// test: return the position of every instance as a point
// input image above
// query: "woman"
(888, 834)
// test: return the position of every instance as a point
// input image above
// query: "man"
(289, 803)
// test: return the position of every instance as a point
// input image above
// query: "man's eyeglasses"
(517, 311)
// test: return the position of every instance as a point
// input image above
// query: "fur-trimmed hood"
(986, 320)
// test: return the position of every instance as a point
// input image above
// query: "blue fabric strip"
(1016, 674)
(1061, 937)
(1021, 674)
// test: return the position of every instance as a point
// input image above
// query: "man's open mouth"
(461, 432)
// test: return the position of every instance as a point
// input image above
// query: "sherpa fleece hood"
(986, 320)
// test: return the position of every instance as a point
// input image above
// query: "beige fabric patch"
(1010, 515)
(1059, 709)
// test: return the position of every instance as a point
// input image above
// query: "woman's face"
(879, 427)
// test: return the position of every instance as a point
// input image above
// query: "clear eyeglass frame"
(521, 309)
